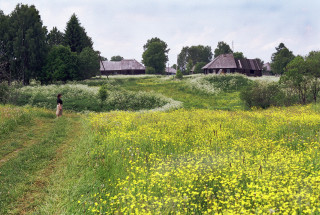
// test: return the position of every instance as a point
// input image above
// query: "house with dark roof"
(124, 67)
(226, 63)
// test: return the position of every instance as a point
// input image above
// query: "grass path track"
(25, 170)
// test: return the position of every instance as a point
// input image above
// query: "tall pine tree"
(55, 37)
(75, 36)
(28, 45)
(5, 74)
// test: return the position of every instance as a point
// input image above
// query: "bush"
(8, 93)
(179, 74)
(78, 97)
(263, 94)
(198, 67)
(229, 82)
(150, 70)
(103, 93)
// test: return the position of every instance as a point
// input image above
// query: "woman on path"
(59, 105)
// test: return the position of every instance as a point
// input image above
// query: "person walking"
(59, 105)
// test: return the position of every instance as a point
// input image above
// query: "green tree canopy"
(55, 37)
(238, 55)
(194, 54)
(222, 48)
(183, 58)
(116, 58)
(280, 59)
(27, 43)
(61, 65)
(88, 64)
(198, 67)
(4, 48)
(313, 63)
(297, 77)
(155, 55)
(75, 35)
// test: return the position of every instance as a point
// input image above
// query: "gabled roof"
(121, 65)
(227, 61)
(171, 70)
(224, 61)
(249, 64)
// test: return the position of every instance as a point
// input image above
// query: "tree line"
(28, 51)
(191, 59)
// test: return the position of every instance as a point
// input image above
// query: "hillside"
(206, 154)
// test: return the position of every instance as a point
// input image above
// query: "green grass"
(74, 174)
(47, 164)
(21, 167)
(191, 98)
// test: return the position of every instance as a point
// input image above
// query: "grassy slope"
(48, 167)
(178, 90)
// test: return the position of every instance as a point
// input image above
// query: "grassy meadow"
(157, 145)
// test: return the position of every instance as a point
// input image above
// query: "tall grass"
(11, 117)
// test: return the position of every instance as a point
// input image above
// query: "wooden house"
(124, 67)
(226, 63)
(171, 71)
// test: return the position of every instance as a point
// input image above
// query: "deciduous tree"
(222, 48)
(296, 77)
(155, 55)
(238, 55)
(116, 58)
(195, 54)
(61, 65)
(280, 59)
(88, 64)
(313, 64)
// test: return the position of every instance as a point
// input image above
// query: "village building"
(124, 67)
(267, 69)
(226, 63)
(171, 71)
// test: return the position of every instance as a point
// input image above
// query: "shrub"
(263, 94)
(150, 70)
(79, 97)
(229, 82)
(8, 93)
(179, 74)
(198, 67)
(103, 93)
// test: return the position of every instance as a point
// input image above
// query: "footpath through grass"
(29, 151)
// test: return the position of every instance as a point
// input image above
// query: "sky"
(122, 27)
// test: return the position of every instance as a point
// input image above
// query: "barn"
(124, 67)
(226, 63)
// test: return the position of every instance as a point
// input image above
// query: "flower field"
(206, 162)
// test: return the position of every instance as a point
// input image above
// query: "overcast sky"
(122, 27)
